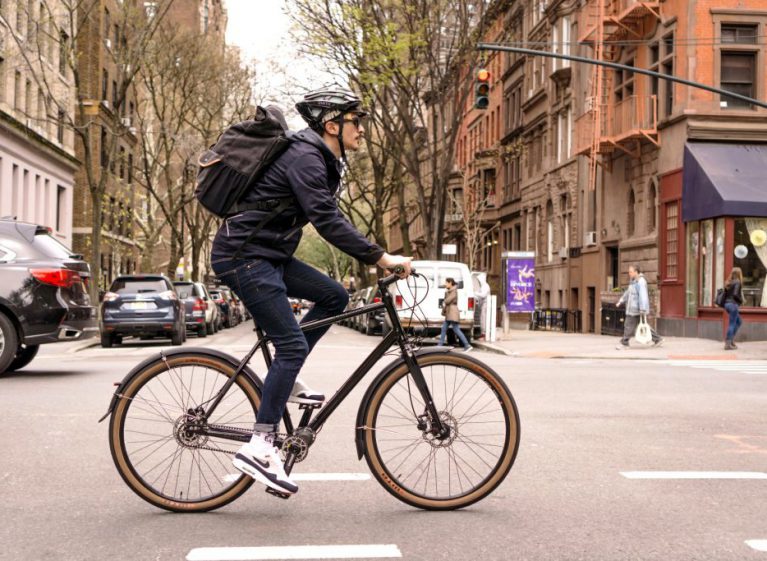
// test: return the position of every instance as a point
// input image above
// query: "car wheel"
(210, 327)
(177, 337)
(202, 331)
(24, 356)
(118, 339)
(106, 341)
(9, 343)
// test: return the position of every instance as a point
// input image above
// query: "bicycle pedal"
(309, 405)
(278, 494)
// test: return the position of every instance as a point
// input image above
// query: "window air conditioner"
(563, 253)
(590, 238)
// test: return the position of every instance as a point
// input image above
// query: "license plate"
(139, 305)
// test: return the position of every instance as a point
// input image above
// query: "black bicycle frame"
(397, 334)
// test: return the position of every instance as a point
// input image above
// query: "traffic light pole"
(617, 66)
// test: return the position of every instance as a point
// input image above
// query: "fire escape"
(618, 115)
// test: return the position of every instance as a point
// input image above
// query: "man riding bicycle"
(253, 254)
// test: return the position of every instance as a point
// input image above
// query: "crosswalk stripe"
(758, 545)
(372, 551)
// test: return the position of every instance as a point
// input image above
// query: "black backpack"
(237, 159)
(721, 296)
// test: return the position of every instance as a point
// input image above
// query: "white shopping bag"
(643, 333)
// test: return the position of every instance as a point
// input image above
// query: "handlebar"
(398, 270)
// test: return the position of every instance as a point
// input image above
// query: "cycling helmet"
(328, 103)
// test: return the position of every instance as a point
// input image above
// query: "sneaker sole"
(305, 401)
(248, 468)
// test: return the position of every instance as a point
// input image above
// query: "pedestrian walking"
(482, 295)
(637, 301)
(450, 311)
(733, 298)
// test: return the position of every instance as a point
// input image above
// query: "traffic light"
(482, 89)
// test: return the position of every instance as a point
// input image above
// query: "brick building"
(595, 169)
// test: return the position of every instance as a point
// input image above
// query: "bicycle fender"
(359, 425)
(172, 353)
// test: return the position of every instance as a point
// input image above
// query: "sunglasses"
(356, 121)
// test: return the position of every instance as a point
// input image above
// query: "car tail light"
(57, 277)
(199, 304)
(111, 296)
(377, 300)
(471, 304)
(398, 300)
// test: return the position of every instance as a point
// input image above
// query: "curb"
(87, 344)
(489, 347)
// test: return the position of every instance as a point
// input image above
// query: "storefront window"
(719, 269)
(750, 254)
(692, 269)
(707, 262)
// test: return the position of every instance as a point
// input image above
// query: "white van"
(429, 312)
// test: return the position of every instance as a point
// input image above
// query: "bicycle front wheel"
(163, 448)
(459, 468)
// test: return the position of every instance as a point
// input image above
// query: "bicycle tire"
(126, 459)
(377, 429)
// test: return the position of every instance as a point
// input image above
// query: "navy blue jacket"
(311, 173)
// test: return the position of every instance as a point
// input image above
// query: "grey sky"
(260, 28)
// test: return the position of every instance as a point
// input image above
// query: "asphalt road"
(585, 425)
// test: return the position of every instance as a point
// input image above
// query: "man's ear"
(331, 128)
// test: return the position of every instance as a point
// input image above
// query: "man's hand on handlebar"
(396, 263)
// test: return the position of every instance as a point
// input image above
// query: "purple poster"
(520, 282)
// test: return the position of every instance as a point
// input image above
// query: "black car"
(144, 306)
(372, 323)
(43, 296)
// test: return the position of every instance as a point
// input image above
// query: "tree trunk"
(403, 219)
(95, 264)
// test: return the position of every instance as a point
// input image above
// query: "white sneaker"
(301, 393)
(261, 460)
(468, 349)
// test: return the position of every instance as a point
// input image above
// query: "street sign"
(449, 249)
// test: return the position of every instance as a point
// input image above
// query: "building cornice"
(25, 134)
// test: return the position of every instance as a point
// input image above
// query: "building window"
(631, 218)
(738, 75)
(122, 162)
(745, 34)
(662, 61)
(114, 95)
(672, 240)
(61, 194)
(60, 126)
(652, 218)
(130, 169)
(693, 245)
(103, 148)
(752, 259)
(104, 84)
(63, 44)
(706, 260)
(17, 92)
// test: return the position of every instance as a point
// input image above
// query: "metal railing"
(556, 319)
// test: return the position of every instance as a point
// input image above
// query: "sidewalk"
(553, 344)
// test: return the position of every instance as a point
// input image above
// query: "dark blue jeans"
(264, 287)
(733, 311)
(456, 329)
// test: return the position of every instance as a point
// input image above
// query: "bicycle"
(439, 430)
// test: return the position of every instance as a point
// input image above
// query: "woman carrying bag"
(733, 299)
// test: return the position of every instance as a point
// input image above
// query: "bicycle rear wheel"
(160, 443)
(463, 467)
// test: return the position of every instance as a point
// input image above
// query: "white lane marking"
(759, 545)
(231, 477)
(294, 552)
(693, 475)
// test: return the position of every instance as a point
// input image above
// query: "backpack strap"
(281, 206)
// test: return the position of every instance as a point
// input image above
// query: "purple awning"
(724, 180)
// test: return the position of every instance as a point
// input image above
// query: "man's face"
(632, 273)
(352, 131)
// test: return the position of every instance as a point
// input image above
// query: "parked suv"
(200, 311)
(43, 294)
(141, 305)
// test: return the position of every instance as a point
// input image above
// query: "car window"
(50, 246)
(455, 274)
(184, 291)
(138, 286)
